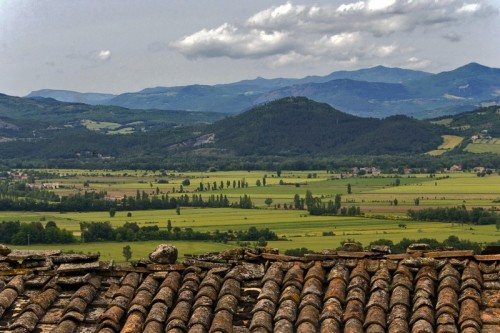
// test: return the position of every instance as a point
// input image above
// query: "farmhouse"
(252, 291)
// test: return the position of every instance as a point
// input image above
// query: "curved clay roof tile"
(233, 287)
(262, 319)
(283, 326)
(330, 325)
(336, 289)
(375, 315)
(448, 270)
(400, 295)
(201, 316)
(449, 282)
(447, 297)
(274, 273)
(332, 309)
(398, 326)
(270, 290)
(287, 310)
(316, 272)
(339, 271)
(353, 325)
(228, 303)
(354, 310)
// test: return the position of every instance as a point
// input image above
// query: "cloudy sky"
(117, 46)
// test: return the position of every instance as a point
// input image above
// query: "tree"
(268, 201)
(395, 202)
(129, 214)
(178, 210)
(169, 226)
(257, 182)
(112, 212)
(186, 182)
(349, 190)
(127, 252)
(417, 201)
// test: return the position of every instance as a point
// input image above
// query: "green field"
(374, 194)
(484, 146)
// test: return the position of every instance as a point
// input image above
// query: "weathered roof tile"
(287, 310)
(421, 292)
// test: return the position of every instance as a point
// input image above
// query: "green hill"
(297, 125)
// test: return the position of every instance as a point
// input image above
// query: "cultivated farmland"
(383, 199)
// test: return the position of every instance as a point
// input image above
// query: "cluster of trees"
(461, 214)
(131, 231)
(9, 189)
(315, 206)
(15, 232)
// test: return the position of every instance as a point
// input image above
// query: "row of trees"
(97, 201)
(461, 214)
(15, 232)
(131, 231)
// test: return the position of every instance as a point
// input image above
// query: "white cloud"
(228, 40)
(358, 30)
(103, 55)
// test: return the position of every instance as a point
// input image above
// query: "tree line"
(460, 214)
(15, 232)
(131, 232)
(27, 200)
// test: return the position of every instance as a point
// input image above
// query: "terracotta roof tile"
(375, 315)
(398, 326)
(294, 276)
(422, 326)
(274, 273)
(287, 310)
(447, 297)
(400, 295)
(157, 313)
(379, 298)
(228, 303)
(354, 310)
(309, 314)
(353, 325)
(336, 289)
(283, 326)
(291, 292)
(201, 316)
(262, 319)
(313, 286)
(312, 300)
(339, 271)
(355, 292)
(449, 282)
(265, 305)
(330, 325)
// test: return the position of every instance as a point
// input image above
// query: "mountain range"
(373, 92)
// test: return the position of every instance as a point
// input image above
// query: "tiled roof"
(240, 291)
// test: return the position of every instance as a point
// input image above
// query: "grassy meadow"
(374, 194)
